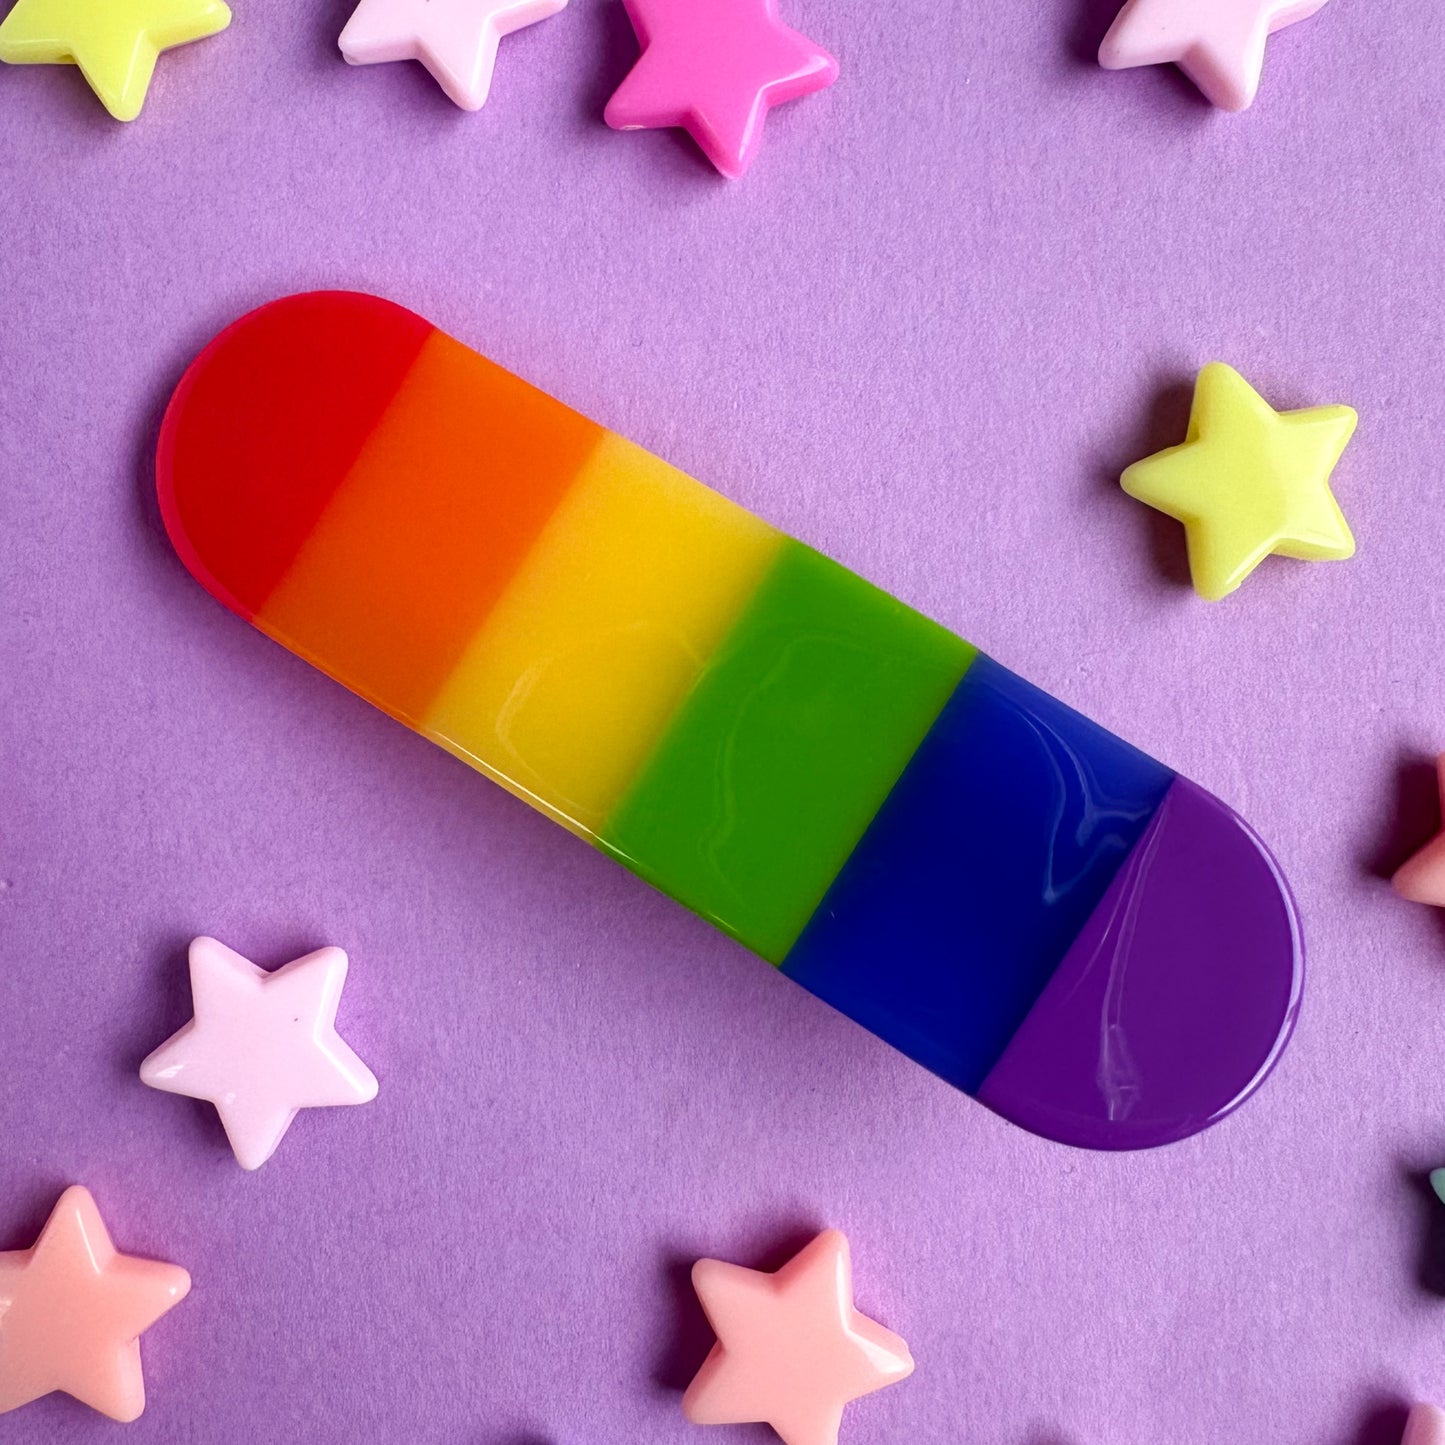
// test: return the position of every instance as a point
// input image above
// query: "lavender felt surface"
(956, 295)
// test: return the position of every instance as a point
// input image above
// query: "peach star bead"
(1426, 1426)
(1421, 878)
(791, 1350)
(1218, 44)
(72, 1310)
(715, 69)
(455, 39)
(262, 1046)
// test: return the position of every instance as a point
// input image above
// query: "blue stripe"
(973, 879)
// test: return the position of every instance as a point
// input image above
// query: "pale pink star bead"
(262, 1046)
(455, 39)
(1218, 44)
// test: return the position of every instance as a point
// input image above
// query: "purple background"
(957, 293)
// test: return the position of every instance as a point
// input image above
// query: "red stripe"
(265, 425)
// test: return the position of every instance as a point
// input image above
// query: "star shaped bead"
(1218, 44)
(1421, 878)
(1426, 1426)
(1248, 481)
(261, 1045)
(72, 1311)
(455, 39)
(715, 69)
(114, 42)
(791, 1350)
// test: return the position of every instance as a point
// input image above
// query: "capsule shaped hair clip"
(1089, 944)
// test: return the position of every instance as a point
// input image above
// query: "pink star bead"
(791, 1351)
(262, 1046)
(455, 39)
(1426, 1426)
(1421, 879)
(1218, 44)
(72, 1311)
(716, 69)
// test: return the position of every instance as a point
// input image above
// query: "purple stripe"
(1175, 1000)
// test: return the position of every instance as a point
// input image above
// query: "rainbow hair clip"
(1060, 926)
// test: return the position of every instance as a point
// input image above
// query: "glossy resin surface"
(1020, 901)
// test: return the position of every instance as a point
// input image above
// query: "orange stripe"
(419, 541)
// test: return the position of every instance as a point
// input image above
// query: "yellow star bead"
(114, 42)
(1248, 481)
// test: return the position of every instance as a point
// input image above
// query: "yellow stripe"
(573, 678)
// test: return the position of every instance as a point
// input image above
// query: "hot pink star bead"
(1218, 44)
(72, 1310)
(791, 1350)
(715, 69)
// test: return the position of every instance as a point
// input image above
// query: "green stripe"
(785, 749)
